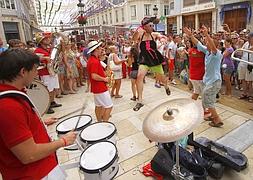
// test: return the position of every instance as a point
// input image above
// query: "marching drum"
(100, 161)
(69, 124)
(39, 96)
(99, 131)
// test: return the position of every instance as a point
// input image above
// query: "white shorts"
(56, 173)
(197, 86)
(51, 82)
(103, 100)
(117, 74)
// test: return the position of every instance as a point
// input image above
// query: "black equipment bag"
(162, 163)
(220, 153)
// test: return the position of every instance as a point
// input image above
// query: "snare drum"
(100, 161)
(70, 124)
(39, 96)
(99, 131)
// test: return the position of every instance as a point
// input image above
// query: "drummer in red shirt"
(26, 150)
(98, 80)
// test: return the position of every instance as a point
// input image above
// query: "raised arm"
(209, 40)
(188, 32)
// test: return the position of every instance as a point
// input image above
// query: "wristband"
(65, 142)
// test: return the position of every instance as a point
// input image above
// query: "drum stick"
(70, 113)
(82, 109)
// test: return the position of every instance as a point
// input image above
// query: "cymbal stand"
(176, 169)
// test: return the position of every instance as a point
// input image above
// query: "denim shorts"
(209, 94)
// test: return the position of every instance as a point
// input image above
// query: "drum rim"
(40, 82)
(102, 139)
(94, 171)
(78, 129)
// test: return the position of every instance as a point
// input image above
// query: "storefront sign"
(199, 7)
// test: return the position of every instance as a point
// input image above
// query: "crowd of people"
(100, 65)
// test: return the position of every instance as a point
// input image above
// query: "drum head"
(70, 123)
(39, 95)
(98, 156)
(98, 132)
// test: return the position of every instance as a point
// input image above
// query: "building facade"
(129, 14)
(236, 13)
(191, 13)
(15, 21)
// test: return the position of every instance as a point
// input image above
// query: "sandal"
(133, 98)
(213, 124)
(138, 106)
(244, 96)
(167, 91)
(118, 96)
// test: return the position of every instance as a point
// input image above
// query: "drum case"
(220, 153)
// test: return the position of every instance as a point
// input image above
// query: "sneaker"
(55, 105)
(50, 111)
(157, 85)
(173, 82)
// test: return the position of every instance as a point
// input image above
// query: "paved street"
(134, 148)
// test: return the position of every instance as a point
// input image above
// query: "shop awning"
(242, 5)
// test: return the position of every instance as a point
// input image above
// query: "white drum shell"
(107, 173)
(111, 137)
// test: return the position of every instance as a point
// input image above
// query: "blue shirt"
(2, 49)
(212, 65)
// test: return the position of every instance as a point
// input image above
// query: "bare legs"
(103, 114)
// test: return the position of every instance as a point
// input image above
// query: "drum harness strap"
(14, 93)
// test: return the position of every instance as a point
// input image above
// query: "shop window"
(189, 3)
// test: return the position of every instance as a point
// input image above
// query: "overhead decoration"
(82, 19)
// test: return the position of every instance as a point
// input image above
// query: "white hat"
(93, 45)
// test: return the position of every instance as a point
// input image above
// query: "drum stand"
(176, 169)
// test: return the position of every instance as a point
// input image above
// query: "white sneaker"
(173, 82)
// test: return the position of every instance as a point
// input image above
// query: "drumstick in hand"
(84, 107)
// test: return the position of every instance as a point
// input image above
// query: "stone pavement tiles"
(134, 149)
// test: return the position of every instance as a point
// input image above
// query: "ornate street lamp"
(155, 12)
(82, 20)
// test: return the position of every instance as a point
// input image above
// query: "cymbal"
(173, 120)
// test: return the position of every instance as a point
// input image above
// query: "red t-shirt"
(46, 52)
(18, 123)
(197, 64)
(94, 66)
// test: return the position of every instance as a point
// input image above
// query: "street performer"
(51, 81)
(150, 58)
(98, 80)
(26, 150)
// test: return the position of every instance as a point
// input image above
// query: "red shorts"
(171, 63)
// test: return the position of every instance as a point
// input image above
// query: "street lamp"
(61, 24)
(81, 18)
(155, 12)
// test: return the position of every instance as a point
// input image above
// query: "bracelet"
(65, 142)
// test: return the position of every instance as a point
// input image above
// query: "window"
(106, 19)
(172, 6)
(147, 9)
(122, 15)
(7, 3)
(205, 1)
(189, 3)
(166, 10)
(133, 11)
(110, 18)
(103, 21)
(12, 4)
(117, 16)
(11, 30)
(98, 19)
(2, 5)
